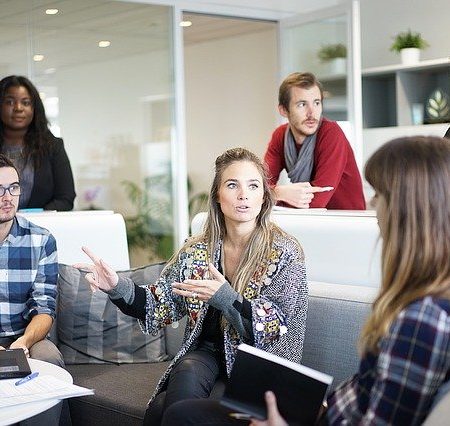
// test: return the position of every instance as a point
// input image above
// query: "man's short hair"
(304, 80)
(6, 162)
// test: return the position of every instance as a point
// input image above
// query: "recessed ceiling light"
(185, 23)
(104, 43)
(38, 58)
(51, 11)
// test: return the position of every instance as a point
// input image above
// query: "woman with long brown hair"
(405, 343)
(242, 280)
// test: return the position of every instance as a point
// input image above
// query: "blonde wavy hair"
(260, 242)
(411, 178)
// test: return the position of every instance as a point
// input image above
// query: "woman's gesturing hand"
(100, 276)
(200, 289)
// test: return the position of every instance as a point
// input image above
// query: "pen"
(27, 378)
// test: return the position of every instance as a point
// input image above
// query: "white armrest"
(102, 231)
(341, 247)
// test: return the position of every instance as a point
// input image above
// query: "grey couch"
(335, 317)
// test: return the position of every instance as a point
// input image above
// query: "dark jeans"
(193, 377)
(198, 412)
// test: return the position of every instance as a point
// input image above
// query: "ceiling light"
(42, 95)
(51, 11)
(38, 58)
(185, 23)
(104, 43)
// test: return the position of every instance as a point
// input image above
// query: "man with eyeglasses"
(28, 276)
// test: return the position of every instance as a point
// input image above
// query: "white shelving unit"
(388, 95)
(390, 91)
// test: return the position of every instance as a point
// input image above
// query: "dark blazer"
(53, 187)
(447, 133)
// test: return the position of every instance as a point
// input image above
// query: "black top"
(53, 187)
(447, 133)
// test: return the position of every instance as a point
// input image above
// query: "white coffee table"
(16, 413)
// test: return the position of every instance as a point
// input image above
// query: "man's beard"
(7, 217)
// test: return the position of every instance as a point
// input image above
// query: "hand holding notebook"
(300, 391)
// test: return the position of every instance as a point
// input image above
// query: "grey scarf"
(299, 166)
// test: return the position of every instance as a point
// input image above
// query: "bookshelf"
(389, 92)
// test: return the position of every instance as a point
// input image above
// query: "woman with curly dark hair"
(46, 178)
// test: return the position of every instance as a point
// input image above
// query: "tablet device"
(13, 364)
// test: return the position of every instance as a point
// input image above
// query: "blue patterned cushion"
(91, 329)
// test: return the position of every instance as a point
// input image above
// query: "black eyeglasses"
(13, 189)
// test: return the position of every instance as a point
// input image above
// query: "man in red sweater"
(314, 151)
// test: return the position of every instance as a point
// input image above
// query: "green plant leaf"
(408, 39)
(332, 51)
(438, 106)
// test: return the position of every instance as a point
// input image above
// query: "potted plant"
(145, 244)
(335, 55)
(149, 230)
(409, 44)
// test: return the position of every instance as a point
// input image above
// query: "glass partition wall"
(105, 73)
(321, 48)
(327, 43)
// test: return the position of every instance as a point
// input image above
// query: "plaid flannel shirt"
(28, 276)
(397, 386)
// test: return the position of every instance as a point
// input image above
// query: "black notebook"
(300, 391)
(13, 363)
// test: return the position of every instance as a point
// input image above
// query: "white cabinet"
(389, 92)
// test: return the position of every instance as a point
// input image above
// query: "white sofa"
(337, 310)
(341, 246)
(342, 253)
(103, 231)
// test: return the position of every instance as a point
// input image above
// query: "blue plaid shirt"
(397, 386)
(28, 276)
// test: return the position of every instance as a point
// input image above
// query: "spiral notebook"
(299, 390)
(13, 363)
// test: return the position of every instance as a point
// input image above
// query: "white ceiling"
(206, 27)
(262, 9)
(71, 36)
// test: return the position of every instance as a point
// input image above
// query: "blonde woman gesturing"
(242, 280)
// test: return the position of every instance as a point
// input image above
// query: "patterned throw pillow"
(91, 329)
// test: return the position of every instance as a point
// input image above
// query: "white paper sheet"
(38, 389)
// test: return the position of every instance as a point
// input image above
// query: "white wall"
(383, 19)
(104, 121)
(231, 99)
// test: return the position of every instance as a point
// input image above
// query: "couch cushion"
(121, 393)
(91, 329)
(336, 314)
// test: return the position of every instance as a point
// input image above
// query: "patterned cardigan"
(277, 292)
